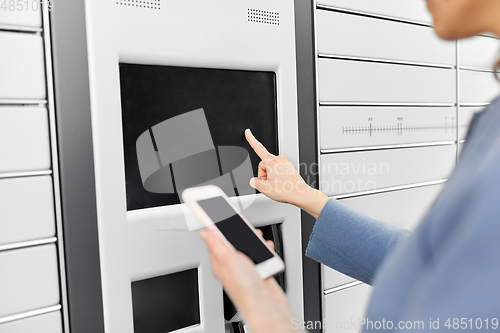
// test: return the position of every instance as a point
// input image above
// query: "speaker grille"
(148, 4)
(263, 16)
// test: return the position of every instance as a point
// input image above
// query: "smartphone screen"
(236, 231)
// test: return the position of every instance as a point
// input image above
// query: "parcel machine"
(141, 64)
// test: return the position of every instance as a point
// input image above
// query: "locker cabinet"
(404, 208)
(24, 139)
(344, 305)
(343, 173)
(479, 52)
(478, 87)
(414, 10)
(29, 279)
(19, 224)
(358, 36)
(378, 89)
(231, 40)
(460, 148)
(351, 127)
(22, 66)
(46, 323)
(30, 17)
(466, 114)
(366, 82)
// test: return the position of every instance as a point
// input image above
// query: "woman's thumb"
(257, 184)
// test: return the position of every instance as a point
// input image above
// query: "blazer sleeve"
(351, 242)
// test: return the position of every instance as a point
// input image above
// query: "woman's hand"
(262, 302)
(278, 179)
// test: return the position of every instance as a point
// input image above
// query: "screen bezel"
(277, 82)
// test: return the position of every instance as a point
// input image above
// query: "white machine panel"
(47, 323)
(354, 81)
(222, 34)
(19, 224)
(22, 66)
(24, 139)
(358, 36)
(414, 10)
(29, 279)
(466, 114)
(345, 173)
(479, 52)
(478, 87)
(28, 17)
(403, 208)
(345, 306)
(346, 127)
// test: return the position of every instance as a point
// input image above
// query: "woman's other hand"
(262, 302)
(278, 179)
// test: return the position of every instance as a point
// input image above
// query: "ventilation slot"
(263, 16)
(147, 4)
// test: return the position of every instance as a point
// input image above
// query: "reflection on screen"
(235, 229)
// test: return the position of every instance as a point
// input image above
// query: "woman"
(448, 268)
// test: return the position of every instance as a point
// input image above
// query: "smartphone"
(211, 205)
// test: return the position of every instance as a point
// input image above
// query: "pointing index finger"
(257, 146)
